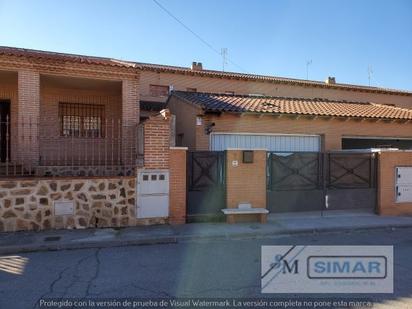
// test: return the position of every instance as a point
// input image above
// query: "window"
(158, 91)
(81, 120)
(191, 89)
(179, 140)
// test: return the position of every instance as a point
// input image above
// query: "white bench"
(231, 213)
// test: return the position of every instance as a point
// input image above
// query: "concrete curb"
(290, 232)
(72, 245)
(86, 245)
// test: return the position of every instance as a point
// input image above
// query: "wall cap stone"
(178, 148)
(245, 149)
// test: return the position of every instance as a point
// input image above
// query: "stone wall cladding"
(99, 202)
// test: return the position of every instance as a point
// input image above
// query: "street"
(229, 268)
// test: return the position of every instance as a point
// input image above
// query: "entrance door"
(4, 130)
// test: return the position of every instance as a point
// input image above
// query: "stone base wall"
(98, 202)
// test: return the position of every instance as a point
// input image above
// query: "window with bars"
(81, 120)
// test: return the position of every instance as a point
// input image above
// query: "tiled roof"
(22, 52)
(39, 54)
(267, 78)
(295, 106)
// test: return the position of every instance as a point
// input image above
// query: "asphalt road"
(229, 268)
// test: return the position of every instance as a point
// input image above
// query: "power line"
(210, 46)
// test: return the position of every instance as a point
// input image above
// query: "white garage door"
(275, 142)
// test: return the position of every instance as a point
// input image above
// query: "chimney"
(330, 80)
(197, 66)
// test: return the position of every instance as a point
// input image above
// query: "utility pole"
(308, 63)
(370, 72)
(224, 53)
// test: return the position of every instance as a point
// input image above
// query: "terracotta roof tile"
(39, 54)
(299, 106)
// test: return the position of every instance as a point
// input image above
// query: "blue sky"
(266, 37)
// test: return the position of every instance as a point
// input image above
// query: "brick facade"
(76, 149)
(177, 185)
(184, 80)
(388, 161)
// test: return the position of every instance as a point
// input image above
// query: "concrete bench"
(231, 213)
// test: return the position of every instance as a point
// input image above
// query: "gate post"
(177, 185)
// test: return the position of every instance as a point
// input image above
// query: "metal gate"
(350, 181)
(295, 182)
(206, 190)
(321, 181)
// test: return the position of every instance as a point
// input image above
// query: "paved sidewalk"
(143, 235)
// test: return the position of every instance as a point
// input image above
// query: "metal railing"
(103, 147)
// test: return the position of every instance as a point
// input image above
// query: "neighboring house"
(206, 121)
(157, 79)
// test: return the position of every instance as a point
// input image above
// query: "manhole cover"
(52, 238)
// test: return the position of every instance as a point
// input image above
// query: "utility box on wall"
(152, 194)
(403, 184)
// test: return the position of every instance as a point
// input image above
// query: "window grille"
(81, 120)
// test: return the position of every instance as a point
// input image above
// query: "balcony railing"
(98, 148)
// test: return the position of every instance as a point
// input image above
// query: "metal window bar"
(96, 153)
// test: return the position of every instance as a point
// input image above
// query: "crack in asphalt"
(60, 276)
(96, 273)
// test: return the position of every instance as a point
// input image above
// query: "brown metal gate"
(314, 181)
(350, 181)
(206, 185)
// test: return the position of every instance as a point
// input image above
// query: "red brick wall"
(28, 108)
(246, 182)
(157, 142)
(55, 149)
(177, 185)
(130, 116)
(388, 161)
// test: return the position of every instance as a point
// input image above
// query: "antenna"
(224, 53)
(370, 72)
(308, 63)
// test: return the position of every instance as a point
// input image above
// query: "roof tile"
(300, 106)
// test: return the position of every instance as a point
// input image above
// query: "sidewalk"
(278, 224)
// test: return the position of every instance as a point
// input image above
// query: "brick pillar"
(177, 185)
(130, 119)
(28, 117)
(157, 142)
(245, 182)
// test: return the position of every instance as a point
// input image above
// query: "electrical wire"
(210, 46)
